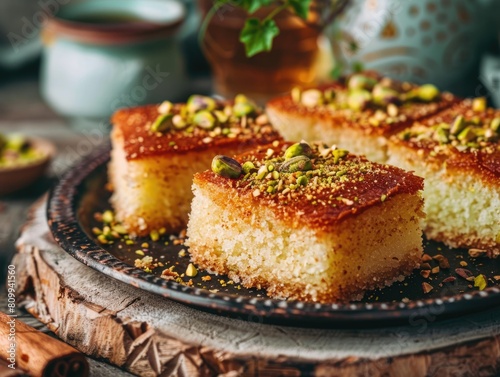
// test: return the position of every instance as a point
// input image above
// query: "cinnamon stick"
(37, 353)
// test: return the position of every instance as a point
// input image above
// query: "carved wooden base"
(152, 336)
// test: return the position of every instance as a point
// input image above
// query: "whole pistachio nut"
(467, 135)
(495, 125)
(226, 166)
(458, 125)
(165, 107)
(298, 163)
(384, 96)
(298, 149)
(221, 116)
(358, 99)
(204, 119)
(360, 81)
(184, 113)
(479, 104)
(243, 108)
(197, 102)
(427, 93)
(162, 123)
(311, 98)
(179, 122)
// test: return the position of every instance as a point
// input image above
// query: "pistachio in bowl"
(22, 161)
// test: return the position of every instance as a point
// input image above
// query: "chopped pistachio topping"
(311, 98)
(298, 149)
(364, 92)
(247, 167)
(162, 123)
(283, 175)
(480, 282)
(360, 81)
(206, 113)
(165, 107)
(205, 119)
(196, 103)
(427, 93)
(479, 104)
(384, 96)
(338, 154)
(191, 270)
(495, 125)
(359, 99)
(462, 133)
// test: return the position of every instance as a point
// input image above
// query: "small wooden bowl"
(18, 177)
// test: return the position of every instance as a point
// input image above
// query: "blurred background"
(66, 65)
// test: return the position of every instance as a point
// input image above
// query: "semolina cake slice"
(306, 222)
(458, 154)
(157, 149)
(358, 113)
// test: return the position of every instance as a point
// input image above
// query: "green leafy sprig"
(258, 35)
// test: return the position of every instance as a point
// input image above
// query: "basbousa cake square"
(306, 222)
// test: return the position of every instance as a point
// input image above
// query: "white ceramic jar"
(100, 55)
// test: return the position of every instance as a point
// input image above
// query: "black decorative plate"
(81, 192)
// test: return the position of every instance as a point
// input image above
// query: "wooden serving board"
(151, 336)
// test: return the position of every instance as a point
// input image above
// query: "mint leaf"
(252, 6)
(301, 7)
(257, 36)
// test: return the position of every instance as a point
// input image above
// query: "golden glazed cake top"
(367, 101)
(197, 125)
(466, 135)
(312, 185)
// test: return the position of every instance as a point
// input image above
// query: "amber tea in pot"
(291, 61)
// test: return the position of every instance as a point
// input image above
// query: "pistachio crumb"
(154, 235)
(480, 282)
(191, 270)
